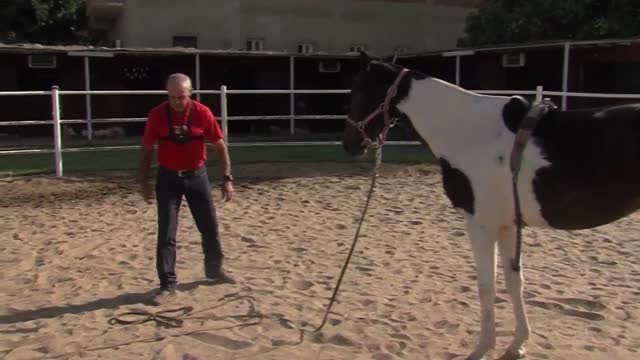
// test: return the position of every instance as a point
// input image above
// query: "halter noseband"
(389, 122)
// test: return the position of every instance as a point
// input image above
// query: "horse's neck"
(447, 117)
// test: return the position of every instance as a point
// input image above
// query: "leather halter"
(389, 122)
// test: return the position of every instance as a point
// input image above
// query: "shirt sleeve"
(150, 130)
(212, 130)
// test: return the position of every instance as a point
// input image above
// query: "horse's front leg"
(514, 282)
(483, 244)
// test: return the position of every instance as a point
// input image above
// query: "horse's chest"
(483, 188)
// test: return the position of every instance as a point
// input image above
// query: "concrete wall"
(332, 26)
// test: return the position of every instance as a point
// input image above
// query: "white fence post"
(57, 143)
(539, 93)
(198, 77)
(292, 107)
(87, 87)
(223, 112)
(565, 76)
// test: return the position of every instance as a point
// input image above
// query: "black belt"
(182, 173)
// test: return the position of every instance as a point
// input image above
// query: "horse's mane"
(396, 67)
(421, 75)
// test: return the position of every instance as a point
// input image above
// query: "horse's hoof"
(511, 355)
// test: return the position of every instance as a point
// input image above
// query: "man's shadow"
(145, 298)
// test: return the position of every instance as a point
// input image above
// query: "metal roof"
(26, 48)
(528, 45)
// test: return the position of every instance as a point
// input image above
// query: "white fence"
(56, 121)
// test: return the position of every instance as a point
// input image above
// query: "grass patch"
(114, 160)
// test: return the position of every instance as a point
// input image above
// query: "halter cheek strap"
(389, 122)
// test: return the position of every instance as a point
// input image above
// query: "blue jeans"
(170, 187)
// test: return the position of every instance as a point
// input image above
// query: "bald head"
(178, 80)
(179, 91)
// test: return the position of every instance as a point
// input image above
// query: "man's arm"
(146, 152)
(223, 156)
(144, 165)
(144, 168)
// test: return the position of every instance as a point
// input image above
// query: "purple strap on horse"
(389, 122)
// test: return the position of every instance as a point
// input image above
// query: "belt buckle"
(181, 173)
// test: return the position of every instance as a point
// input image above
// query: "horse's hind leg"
(483, 243)
(514, 282)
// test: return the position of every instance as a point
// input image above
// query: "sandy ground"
(77, 251)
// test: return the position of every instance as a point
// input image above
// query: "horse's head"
(377, 90)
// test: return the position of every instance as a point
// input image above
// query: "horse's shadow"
(145, 298)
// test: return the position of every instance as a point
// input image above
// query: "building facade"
(381, 27)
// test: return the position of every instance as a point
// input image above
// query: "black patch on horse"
(594, 172)
(457, 187)
(514, 112)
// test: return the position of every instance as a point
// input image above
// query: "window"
(185, 41)
(513, 60)
(255, 45)
(305, 48)
(42, 61)
(329, 66)
(358, 48)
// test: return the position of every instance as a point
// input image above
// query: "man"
(181, 126)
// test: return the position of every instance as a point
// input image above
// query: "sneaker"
(168, 288)
(164, 295)
(221, 277)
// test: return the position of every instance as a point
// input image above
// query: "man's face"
(178, 96)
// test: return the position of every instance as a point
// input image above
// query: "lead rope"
(529, 123)
(374, 176)
(515, 265)
(174, 318)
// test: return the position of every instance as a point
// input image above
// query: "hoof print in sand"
(221, 341)
(559, 308)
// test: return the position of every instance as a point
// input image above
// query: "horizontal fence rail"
(24, 93)
(56, 122)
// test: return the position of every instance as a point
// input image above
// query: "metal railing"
(56, 121)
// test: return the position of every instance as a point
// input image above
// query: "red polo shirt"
(188, 156)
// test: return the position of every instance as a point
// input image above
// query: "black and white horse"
(580, 169)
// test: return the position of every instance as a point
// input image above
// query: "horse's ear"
(364, 61)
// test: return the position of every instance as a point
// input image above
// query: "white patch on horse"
(462, 128)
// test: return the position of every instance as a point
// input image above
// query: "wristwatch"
(227, 178)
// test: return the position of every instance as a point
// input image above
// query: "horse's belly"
(585, 210)
(573, 204)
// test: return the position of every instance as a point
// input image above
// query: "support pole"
(538, 93)
(57, 143)
(292, 109)
(458, 70)
(223, 112)
(565, 76)
(198, 76)
(87, 87)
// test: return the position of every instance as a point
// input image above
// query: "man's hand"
(227, 190)
(146, 191)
